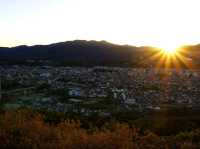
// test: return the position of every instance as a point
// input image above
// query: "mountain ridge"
(82, 52)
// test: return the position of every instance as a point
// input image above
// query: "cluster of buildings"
(126, 85)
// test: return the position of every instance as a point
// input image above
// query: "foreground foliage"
(26, 130)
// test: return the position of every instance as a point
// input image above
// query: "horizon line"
(118, 44)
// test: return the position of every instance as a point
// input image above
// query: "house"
(76, 92)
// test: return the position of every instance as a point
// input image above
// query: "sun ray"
(175, 62)
(183, 60)
(171, 58)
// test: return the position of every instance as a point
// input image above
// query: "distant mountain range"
(87, 53)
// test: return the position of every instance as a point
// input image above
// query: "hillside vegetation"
(25, 130)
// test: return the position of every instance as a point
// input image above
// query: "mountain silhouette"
(86, 53)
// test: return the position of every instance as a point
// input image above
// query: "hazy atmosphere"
(161, 23)
(99, 74)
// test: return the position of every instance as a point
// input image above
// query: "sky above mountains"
(161, 23)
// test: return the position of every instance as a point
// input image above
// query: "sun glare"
(170, 49)
(171, 56)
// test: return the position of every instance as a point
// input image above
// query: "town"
(97, 89)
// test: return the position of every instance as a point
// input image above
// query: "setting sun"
(170, 50)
